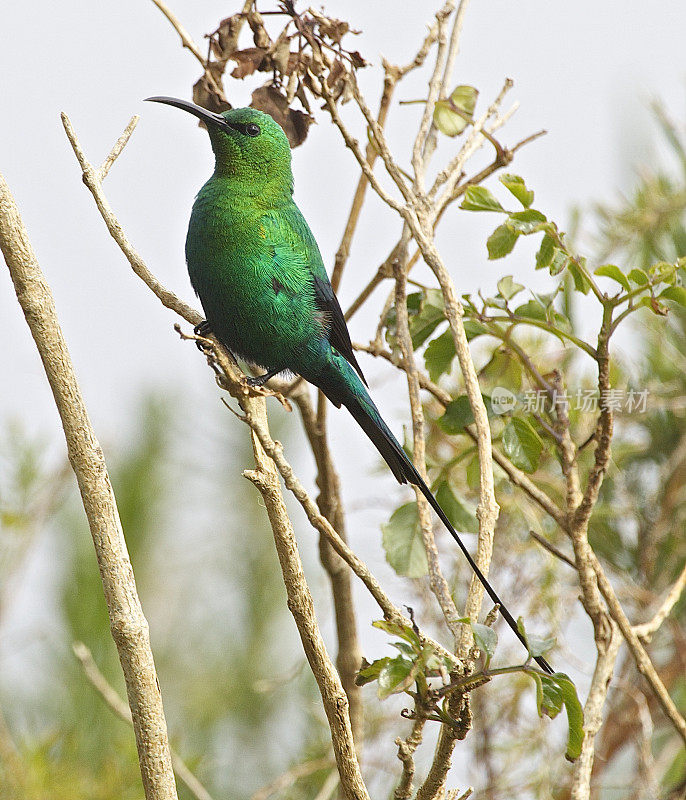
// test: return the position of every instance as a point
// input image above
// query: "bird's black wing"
(339, 336)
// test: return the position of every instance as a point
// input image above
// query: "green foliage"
(452, 116)
(403, 543)
(516, 185)
(479, 198)
(522, 445)
(461, 517)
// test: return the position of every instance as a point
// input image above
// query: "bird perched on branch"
(256, 267)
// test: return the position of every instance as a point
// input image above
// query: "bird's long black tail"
(367, 416)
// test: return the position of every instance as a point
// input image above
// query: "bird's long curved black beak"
(208, 117)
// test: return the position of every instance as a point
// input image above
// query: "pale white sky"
(584, 71)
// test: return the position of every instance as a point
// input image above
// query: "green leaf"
(371, 672)
(545, 252)
(501, 242)
(532, 309)
(461, 517)
(426, 312)
(445, 118)
(478, 198)
(638, 276)
(581, 282)
(508, 288)
(486, 639)
(654, 306)
(538, 646)
(395, 676)
(559, 261)
(439, 355)
(611, 271)
(675, 293)
(516, 185)
(663, 271)
(575, 715)
(550, 700)
(396, 629)
(404, 648)
(522, 445)
(402, 541)
(528, 221)
(473, 329)
(458, 414)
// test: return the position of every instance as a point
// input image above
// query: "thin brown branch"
(420, 148)
(593, 712)
(448, 736)
(546, 545)
(291, 776)
(301, 605)
(329, 501)
(646, 630)
(406, 751)
(638, 652)
(390, 81)
(186, 39)
(101, 685)
(127, 623)
(288, 778)
(439, 585)
(92, 179)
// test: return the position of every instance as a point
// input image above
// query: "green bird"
(257, 269)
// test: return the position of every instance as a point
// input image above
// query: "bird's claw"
(202, 328)
(257, 381)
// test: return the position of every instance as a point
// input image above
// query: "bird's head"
(249, 146)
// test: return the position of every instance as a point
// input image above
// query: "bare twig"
(92, 179)
(329, 501)
(646, 630)
(552, 549)
(289, 777)
(186, 38)
(300, 603)
(127, 623)
(439, 585)
(419, 149)
(406, 750)
(593, 712)
(101, 685)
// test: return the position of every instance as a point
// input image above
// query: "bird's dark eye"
(252, 129)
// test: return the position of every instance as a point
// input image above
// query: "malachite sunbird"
(257, 270)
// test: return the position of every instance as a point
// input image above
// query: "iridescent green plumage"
(257, 269)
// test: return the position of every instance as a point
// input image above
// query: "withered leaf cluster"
(307, 50)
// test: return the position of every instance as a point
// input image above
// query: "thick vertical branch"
(127, 622)
(300, 603)
(349, 655)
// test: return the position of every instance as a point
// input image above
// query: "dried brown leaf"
(248, 60)
(224, 41)
(294, 123)
(281, 53)
(259, 32)
(206, 92)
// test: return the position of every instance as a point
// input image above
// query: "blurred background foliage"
(241, 708)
